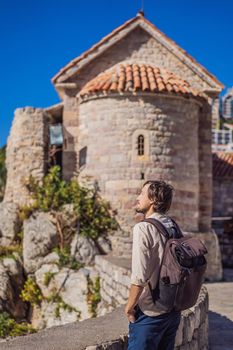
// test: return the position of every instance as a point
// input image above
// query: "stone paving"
(221, 313)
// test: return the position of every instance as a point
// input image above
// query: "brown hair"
(161, 193)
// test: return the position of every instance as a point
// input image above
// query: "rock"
(105, 245)
(73, 293)
(40, 236)
(48, 270)
(51, 258)
(11, 284)
(9, 223)
(44, 316)
(84, 249)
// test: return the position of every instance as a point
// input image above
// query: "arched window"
(141, 149)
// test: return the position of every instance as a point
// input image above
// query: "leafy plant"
(9, 327)
(31, 292)
(62, 305)
(66, 260)
(48, 276)
(93, 213)
(93, 295)
(8, 251)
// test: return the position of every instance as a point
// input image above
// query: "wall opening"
(141, 145)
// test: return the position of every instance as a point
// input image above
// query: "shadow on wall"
(69, 156)
(220, 331)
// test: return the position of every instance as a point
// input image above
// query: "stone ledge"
(75, 336)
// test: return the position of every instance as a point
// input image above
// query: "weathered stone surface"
(105, 245)
(40, 237)
(26, 152)
(51, 258)
(11, 284)
(9, 223)
(83, 249)
(167, 158)
(45, 316)
(107, 332)
(73, 288)
(40, 275)
(115, 280)
(222, 200)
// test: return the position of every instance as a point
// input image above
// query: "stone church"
(135, 107)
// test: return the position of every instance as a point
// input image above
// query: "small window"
(82, 156)
(140, 145)
(56, 135)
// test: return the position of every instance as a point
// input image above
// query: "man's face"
(143, 202)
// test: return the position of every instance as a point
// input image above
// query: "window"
(56, 136)
(140, 145)
(82, 156)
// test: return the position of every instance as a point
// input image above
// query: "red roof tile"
(223, 164)
(139, 77)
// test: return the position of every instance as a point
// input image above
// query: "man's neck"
(149, 213)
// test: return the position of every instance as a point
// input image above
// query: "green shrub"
(93, 213)
(65, 259)
(93, 295)
(31, 292)
(9, 327)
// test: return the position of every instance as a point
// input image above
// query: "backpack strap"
(162, 230)
(159, 226)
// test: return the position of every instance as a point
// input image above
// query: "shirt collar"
(155, 215)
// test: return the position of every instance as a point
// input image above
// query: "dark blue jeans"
(153, 333)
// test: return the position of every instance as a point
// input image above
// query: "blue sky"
(38, 37)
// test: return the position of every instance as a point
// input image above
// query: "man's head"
(155, 196)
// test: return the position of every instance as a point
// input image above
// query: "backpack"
(181, 271)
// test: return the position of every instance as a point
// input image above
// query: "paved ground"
(221, 313)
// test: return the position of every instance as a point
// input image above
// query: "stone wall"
(205, 168)
(115, 281)
(70, 135)
(222, 200)
(223, 226)
(107, 126)
(26, 153)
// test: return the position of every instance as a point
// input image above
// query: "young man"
(150, 328)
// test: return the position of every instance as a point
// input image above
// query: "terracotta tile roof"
(223, 164)
(139, 77)
(139, 18)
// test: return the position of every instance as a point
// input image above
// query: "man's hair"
(161, 194)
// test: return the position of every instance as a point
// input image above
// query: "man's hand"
(130, 314)
(134, 294)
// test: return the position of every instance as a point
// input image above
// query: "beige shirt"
(148, 246)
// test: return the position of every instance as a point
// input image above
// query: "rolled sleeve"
(141, 256)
